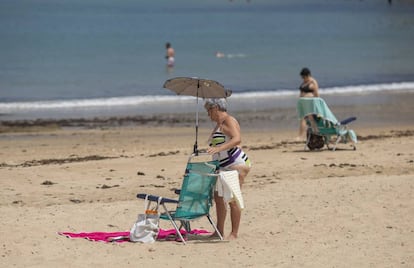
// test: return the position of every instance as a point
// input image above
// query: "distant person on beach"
(225, 143)
(309, 88)
(170, 56)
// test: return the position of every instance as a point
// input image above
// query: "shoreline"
(147, 106)
(380, 109)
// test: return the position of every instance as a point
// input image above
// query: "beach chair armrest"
(348, 120)
(155, 198)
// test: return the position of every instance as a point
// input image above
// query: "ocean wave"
(89, 103)
(353, 89)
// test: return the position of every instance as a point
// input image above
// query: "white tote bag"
(146, 228)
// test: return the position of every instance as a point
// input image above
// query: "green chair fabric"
(195, 197)
(307, 106)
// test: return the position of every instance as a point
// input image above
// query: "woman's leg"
(235, 211)
(221, 213)
(235, 216)
(302, 129)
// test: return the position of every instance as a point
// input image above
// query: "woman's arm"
(315, 87)
(231, 128)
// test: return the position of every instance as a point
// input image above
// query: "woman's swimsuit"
(305, 88)
(233, 156)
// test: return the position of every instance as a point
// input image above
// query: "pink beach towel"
(124, 236)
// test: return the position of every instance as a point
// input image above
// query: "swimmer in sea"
(220, 54)
(170, 55)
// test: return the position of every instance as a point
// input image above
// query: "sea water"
(80, 58)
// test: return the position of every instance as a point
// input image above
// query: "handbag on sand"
(146, 228)
(315, 141)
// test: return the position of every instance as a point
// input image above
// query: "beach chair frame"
(322, 125)
(320, 132)
(195, 197)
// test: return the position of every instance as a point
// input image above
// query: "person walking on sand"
(170, 56)
(308, 88)
(225, 141)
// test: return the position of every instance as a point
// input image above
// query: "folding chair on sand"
(322, 125)
(195, 197)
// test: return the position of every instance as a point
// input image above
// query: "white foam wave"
(90, 103)
(355, 89)
(404, 86)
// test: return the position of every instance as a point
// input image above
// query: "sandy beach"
(303, 209)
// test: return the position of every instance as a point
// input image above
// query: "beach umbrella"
(199, 88)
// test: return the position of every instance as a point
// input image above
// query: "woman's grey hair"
(215, 102)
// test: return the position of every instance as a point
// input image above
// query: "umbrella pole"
(195, 149)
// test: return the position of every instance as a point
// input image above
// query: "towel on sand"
(124, 236)
(228, 186)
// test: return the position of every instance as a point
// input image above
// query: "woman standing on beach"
(225, 143)
(308, 89)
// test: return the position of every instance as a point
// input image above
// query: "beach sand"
(303, 209)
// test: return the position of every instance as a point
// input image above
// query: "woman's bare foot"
(232, 236)
(300, 138)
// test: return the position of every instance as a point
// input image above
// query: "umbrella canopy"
(197, 87)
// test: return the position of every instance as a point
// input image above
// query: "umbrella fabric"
(197, 87)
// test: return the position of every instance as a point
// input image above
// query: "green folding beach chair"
(195, 197)
(200, 167)
(322, 125)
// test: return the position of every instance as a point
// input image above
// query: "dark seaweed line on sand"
(60, 161)
(394, 134)
(97, 122)
(55, 161)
